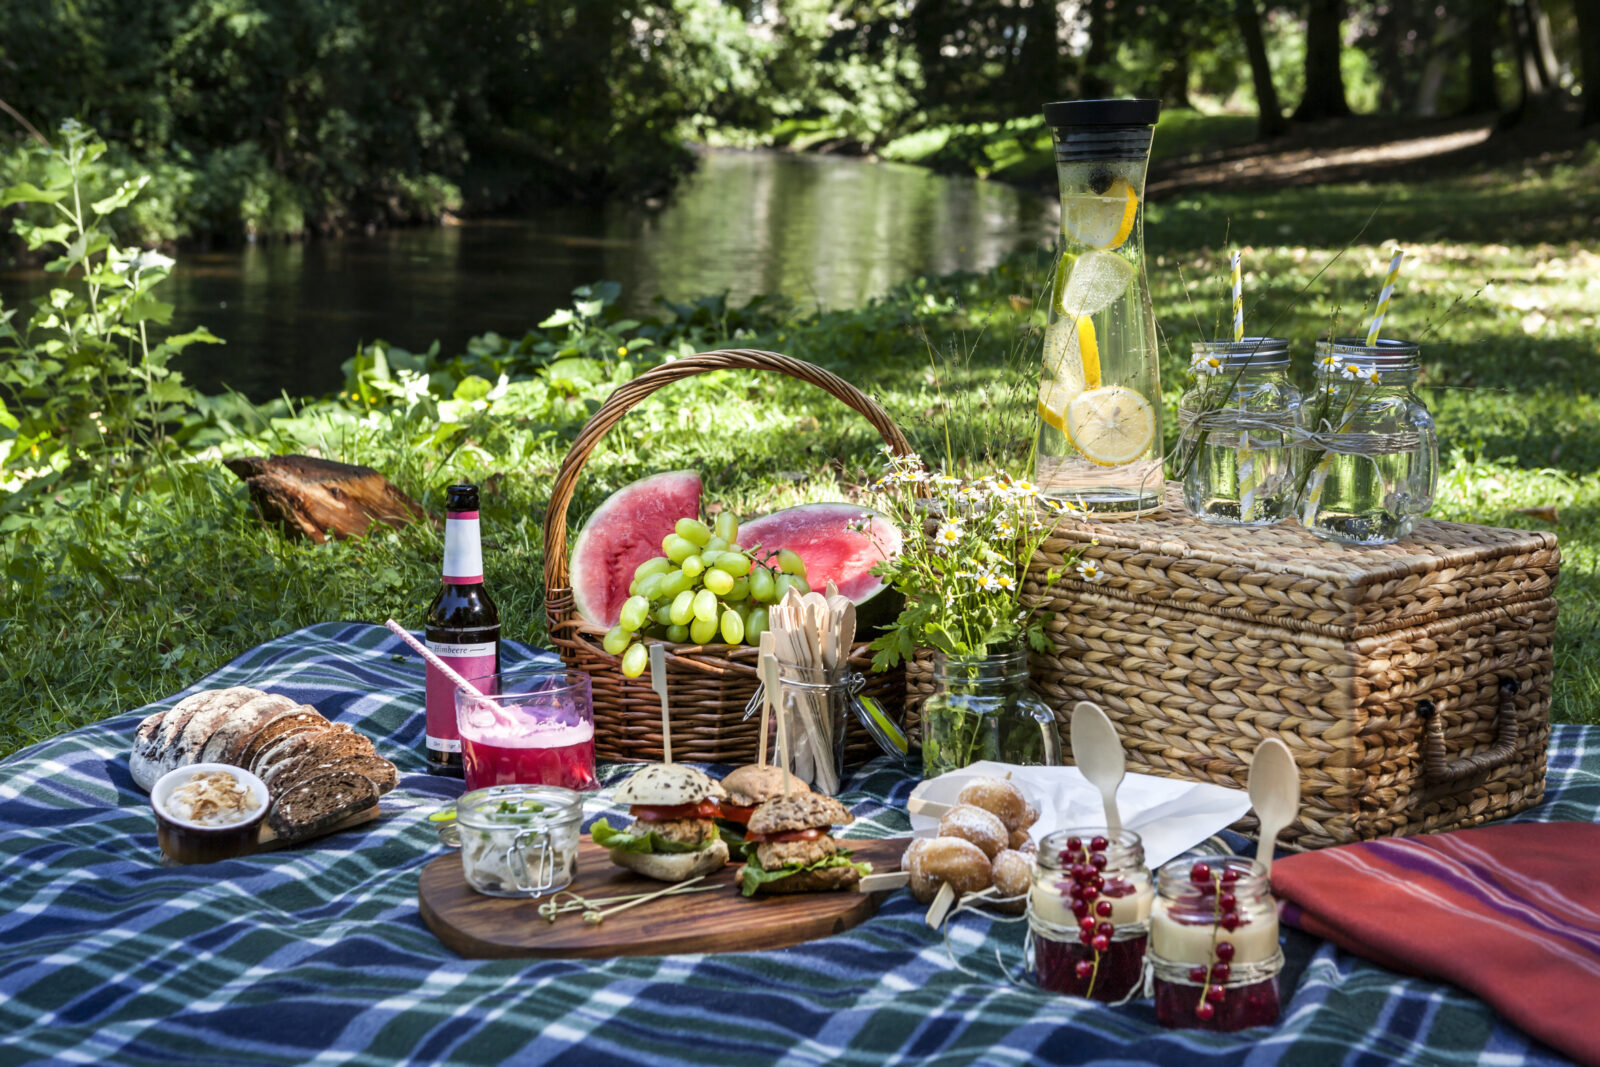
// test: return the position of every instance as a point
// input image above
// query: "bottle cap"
(461, 498)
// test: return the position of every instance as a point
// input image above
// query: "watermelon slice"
(622, 533)
(821, 534)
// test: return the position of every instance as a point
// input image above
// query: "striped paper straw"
(1238, 299)
(1383, 297)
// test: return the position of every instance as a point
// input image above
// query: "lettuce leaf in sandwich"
(752, 876)
(607, 837)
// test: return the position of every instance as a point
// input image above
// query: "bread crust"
(664, 784)
(673, 866)
(228, 740)
(798, 811)
(755, 783)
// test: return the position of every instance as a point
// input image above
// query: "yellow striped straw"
(1383, 297)
(1238, 299)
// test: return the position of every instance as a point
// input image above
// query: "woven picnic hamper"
(1411, 681)
(709, 685)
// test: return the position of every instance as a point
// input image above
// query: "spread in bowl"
(208, 811)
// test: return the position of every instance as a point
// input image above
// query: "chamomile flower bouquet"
(962, 568)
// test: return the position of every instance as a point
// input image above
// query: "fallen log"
(311, 497)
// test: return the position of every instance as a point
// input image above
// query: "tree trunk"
(1271, 123)
(1172, 85)
(1529, 70)
(1588, 13)
(1324, 97)
(1483, 30)
(1037, 66)
(1544, 52)
(1092, 85)
(311, 497)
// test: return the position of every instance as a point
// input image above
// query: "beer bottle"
(462, 628)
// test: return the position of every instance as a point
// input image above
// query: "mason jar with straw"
(1238, 427)
(1371, 454)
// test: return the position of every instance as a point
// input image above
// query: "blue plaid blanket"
(319, 954)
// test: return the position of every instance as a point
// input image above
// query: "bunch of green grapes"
(705, 586)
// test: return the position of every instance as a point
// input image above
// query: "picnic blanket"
(319, 954)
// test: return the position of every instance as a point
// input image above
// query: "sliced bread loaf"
(146, 753)
(266, 736)
(209, 714)
(316, 804)
(229, 739)
(336, 741)
(380, 771)
(289, 747)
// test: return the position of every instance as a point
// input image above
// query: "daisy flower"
(948, 535)
(1089, 570)
(1329, 364)
(1353, 371)
(1200, 363)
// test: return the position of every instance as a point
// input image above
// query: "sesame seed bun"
(664, 784)
(756, 783)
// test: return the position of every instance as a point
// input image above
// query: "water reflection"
(826, 231)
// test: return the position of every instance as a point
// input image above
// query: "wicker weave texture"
(708, 685)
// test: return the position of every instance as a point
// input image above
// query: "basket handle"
(631, 393)
(1440, 772)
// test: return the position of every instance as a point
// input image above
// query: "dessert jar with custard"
(1089, 913)
(1214, 945)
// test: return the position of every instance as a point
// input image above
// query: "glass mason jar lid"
(518, 806)
(1383, 355)
(1254, 353)
(1124, 848)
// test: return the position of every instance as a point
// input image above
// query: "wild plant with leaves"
(965, 557)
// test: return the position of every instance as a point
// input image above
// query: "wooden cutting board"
(483, 927)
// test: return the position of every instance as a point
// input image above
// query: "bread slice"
(288, 748)
(228, 739)
(336, 742)
(673, 866)
(319, 803)
(268, 734)
(378, 770)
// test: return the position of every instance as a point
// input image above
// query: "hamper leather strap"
(1439, 772)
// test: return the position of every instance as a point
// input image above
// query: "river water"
(822, 230)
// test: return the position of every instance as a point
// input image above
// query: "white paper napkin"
(1170, 815)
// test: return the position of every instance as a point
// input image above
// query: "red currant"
(1080, 908)
(1098, 861)
(1220, 972)
(1086, 925)
(1216, 994)
(1084, 937)
(1105, 929)
(1224, 951)
(1085, 969)
(1204, 1012)
(1100, 943)
(1104, 909)
(1073, 845)
(1200, 874)
(1227, 901)
(1097, 882)
(1230, 921)
(1197, 973)
(1230, 876)
(1098, 844)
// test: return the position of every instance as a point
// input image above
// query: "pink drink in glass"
(539, 732)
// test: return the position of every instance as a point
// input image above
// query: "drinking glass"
(537, 730)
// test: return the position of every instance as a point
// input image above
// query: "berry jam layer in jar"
(1240, 1006)
(1069, 967)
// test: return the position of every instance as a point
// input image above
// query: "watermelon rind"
(623, 532)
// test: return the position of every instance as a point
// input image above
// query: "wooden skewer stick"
(593, 917)
(770, 665)
(658, 682)
(769, 649)
(932, 808)
(879, 883)
(940, 906)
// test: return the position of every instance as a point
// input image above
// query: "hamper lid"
(1284, 576)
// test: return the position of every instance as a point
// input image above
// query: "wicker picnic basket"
(1411, 681)
(709, 685)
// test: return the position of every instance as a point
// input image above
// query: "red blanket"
(1511, 913)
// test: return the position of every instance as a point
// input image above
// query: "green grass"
(122, 591)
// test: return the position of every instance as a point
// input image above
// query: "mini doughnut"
(982, 828)
(1021, 842)
(1013, 877)
(999, 797)
(934, 861)
(1030, 815)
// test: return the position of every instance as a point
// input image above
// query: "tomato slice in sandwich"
(706, 809)
(737, 813)
(809, 834)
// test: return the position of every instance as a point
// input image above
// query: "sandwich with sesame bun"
(788, 847)
(673, 835)
(747, 788)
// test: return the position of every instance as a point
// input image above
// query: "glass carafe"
(1100, 388)
(982, 709)
(1371, 454)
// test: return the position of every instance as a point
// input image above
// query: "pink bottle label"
(472, 662)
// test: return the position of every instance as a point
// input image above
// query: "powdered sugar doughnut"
(934, 861)
(1013, 877)
(1021, 842)
(1000, 797)
(970, 823)
(1030, 815)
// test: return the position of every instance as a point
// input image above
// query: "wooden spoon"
(1274, 793)
(1099, 755)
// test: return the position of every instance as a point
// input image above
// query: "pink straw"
(444, 668)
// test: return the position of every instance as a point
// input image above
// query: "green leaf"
(752, 876)
(607, 837)
(561, 317)
(28, 193)
(125, 194)
(590, 309)
(144, 308)
(471, 388)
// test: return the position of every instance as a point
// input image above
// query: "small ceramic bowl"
(192, 842)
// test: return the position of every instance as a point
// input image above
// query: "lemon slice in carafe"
(1111, 425)
(1097, 279)
(1071, 365)
(1103, 222)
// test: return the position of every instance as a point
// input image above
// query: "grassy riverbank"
(127, 582)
